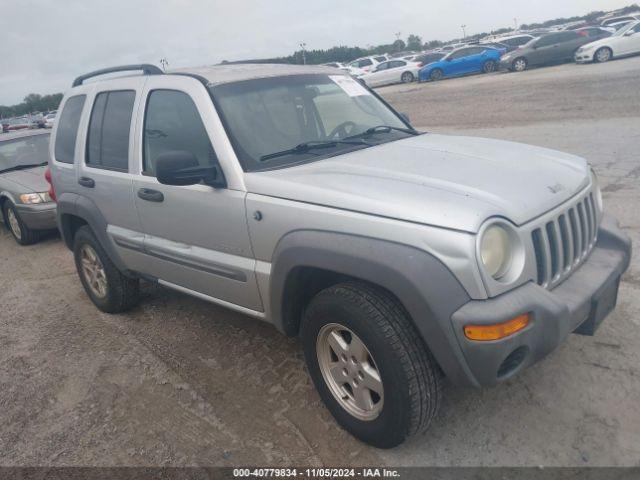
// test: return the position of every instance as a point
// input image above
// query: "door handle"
(87, 182)
(150, 195)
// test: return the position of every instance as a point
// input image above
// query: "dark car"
(596, 33)
(501, 47)
(427, 58)
(557, 47)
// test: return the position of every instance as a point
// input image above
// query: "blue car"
(463, 61)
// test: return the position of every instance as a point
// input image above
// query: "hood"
(446, 181)
(30, 180)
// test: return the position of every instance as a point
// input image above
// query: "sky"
(44, 44)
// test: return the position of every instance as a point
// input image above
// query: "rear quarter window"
(65, 147)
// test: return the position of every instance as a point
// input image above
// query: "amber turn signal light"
(497, 331)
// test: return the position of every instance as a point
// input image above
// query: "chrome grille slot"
(563, 241)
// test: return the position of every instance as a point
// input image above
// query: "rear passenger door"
(103, 174)
(196, 236)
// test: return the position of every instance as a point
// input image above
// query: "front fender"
(422, 283)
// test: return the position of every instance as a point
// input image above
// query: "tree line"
(34, 102)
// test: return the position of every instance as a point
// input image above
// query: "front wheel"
(21, 233)
(407, 77)
(603, 54)
(370, 366)
(519, 65)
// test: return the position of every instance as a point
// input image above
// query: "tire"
(20, 232)
(489, 66)
(436, 75)
(407, 77)
(406, 397)
(602, 55)
(121, 293)
(520, 64)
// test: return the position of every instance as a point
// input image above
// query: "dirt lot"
(182, 382)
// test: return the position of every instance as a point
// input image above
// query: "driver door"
(195, 237)
(630, 41)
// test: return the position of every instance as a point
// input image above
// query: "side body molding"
(422, 283)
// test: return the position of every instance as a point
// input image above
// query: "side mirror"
(629, 33)
(182, 168)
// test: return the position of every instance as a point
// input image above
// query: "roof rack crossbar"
(146, 68)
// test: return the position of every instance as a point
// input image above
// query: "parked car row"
(37, 120)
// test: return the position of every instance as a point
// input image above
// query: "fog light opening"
(513, 361)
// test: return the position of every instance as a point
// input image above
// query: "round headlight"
(496, 251)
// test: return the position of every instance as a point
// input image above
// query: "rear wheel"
(369, 364)
(603, 54)
(436, 75)
(489, 66)
(519, 64)
(407, 77)
(106, 286)
(21, 233)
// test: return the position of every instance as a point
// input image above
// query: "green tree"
(414, 42)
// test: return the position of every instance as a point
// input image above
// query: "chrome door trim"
(223, 303)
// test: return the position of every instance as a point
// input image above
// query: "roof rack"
(147, 69)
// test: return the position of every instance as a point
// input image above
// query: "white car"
(624, 42)
(624, 18)
(393, 71)
(362, 65)
(49, 120)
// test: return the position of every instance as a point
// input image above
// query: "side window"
(172, 123)
(365, 63)
(636, 29)
(65, 147)
(383, 66)
(109, 128)
(521, 41)
(548, 40)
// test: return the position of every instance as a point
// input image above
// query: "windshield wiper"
(383, 129)
(308, 146)
(23, 167)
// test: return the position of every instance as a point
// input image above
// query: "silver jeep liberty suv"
(298, 196)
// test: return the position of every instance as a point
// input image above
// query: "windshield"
(622, 28)
(27, 151)
(270, 115)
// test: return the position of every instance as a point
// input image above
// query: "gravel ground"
(179, 381)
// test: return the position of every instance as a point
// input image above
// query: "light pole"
(304, 56)
(464, 32)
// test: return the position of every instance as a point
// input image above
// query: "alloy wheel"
(603, 55)
(93, 271)
(520, 65)
(350, 372)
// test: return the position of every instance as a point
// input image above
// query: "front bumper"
(38, 216)
(584, 57)
(577, 304)
(504, 65)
